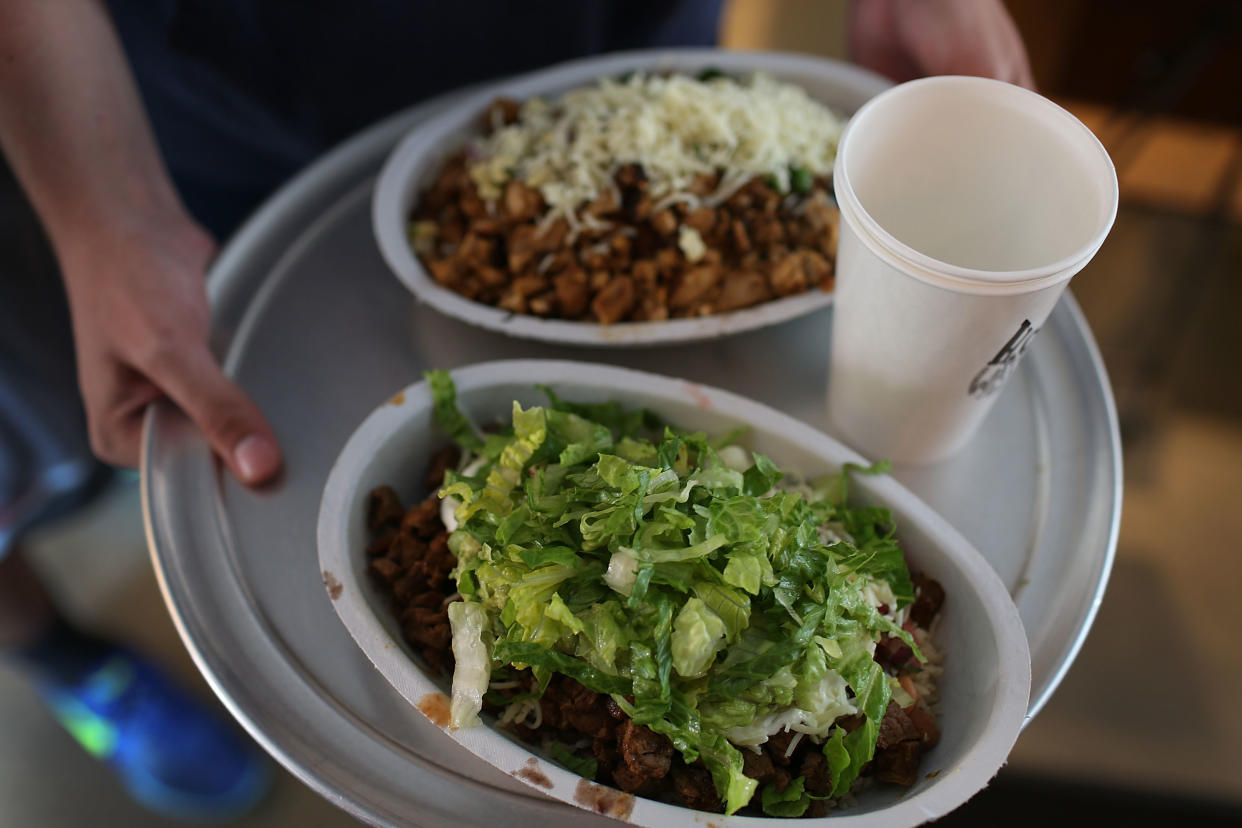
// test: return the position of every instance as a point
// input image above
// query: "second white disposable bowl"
(987, 675)
(418, 158)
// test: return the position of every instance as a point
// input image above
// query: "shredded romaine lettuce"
(448, 415)
(474, 668)
(677, 577)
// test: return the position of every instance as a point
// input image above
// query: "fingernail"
(257, 458)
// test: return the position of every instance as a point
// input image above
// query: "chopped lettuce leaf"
(761, 477)
(714, 603)
(791, 802)
(858, 747)
(448, 415)
(698, 634)
(474, 665)
(586, 767)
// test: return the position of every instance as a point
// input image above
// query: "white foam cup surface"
(966, 205)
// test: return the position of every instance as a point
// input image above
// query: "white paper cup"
(967, 204)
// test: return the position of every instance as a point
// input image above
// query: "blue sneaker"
(173, 755)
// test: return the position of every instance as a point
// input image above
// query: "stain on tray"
(334, 586)
(397, 398)
(604, 800)
(932, 775)
(435, 706)
(532, 774)
(697, 394)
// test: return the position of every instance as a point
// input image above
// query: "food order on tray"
(664, 611)
(640, 198)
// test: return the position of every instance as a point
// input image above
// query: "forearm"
(72, 124)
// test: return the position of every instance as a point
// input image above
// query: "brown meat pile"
(410, 558)
(630, 756)
(760, 245)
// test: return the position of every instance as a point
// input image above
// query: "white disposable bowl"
(987, 675)
(416, 161)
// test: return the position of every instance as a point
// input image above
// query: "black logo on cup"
(989, 380)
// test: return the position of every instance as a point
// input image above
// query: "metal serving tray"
(310, 321)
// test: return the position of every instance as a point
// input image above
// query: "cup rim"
(956, 277)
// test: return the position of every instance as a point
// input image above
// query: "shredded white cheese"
(692, 245)
(675, 127)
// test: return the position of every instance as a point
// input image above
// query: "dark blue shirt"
(243, 93)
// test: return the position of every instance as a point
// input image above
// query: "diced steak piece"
(757, 765)
(544, 304)
(550, 238)
(664, 222)
(571, 291)
(407, 550)
(704, 184)
(521, 246)
(778, 745)
(637, 783)
(741, 239)
(695, 285)
(521, 202)
(798, 271)
(702, 219)
(899, 764)
(605, 750)
(695, 789)
(431, 600)
(645, 752)
(550, 708)
(615, 300)
(896, 727)
(385, 568)
(892, 653)
(409, 585)
(475, 251)
(584, 710)
(818, 776)
(928, 727)
(851, 723)
(742, 288)
(929, 598)
(383, 509)
(607, 202)
(423, 520)
(382, 542)
(438, 563)
(429, 628)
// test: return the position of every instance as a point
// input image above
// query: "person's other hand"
(141, 320)
(907, 39)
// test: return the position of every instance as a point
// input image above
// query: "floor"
(1146, 727)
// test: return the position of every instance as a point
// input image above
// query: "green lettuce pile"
(594, 542)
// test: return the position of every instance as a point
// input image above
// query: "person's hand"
(141, 320)
(907, 39)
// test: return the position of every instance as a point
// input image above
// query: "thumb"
(237, 430)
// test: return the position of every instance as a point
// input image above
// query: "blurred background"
(1147, 726)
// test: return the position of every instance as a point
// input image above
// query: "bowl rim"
(948, 791)
(423, 148)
